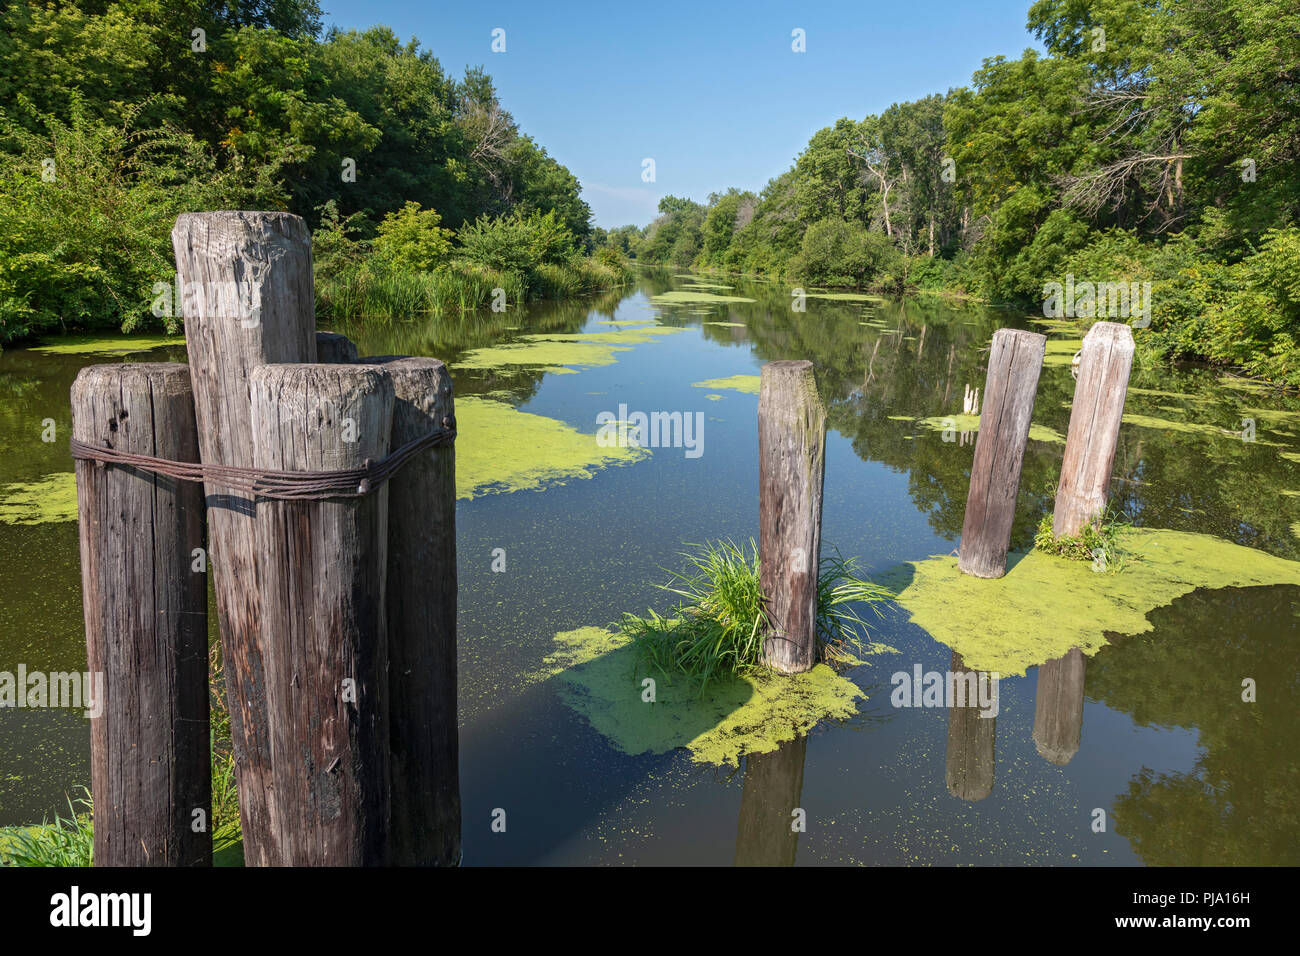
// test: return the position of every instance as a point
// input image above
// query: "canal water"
(557, 533)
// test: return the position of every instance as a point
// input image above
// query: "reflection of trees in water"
(1238, 806)
(772, 792)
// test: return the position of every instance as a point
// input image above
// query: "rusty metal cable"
(269, 483)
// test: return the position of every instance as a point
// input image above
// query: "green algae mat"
(1046, 605)
(501, 449)
(598, 679)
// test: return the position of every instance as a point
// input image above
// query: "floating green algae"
(1197, 428)
(1155, 392)
(52, 498)
(749, 384)
(687, 297)
(597, 671)
(844, 297)
(971, 423)
(707, 285)
(108, 345)
(552, 356)
(501, 449)
(1046, 605)
(730, 325)
(1061, 351)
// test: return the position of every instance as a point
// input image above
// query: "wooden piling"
(792, 469)
(422, 621)
(321, 579)
(1015, 360)
(1058, 707)
(1104, 367)
(145, 609)
(246, 289)
(333, 348)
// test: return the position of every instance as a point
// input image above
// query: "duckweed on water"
(501, 449)
(597, 671)
(971, 423)
(1045, 605)
(749, 384)
(52, 498)
(684, 297)
(109, 345)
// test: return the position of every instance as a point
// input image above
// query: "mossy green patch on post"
(501, 449)
(108, 345)
(971, 423)
(597, 671)
(687, 297)
(749, 384)
(52, 498)
(1046, 605)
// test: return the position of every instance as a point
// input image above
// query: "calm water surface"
(1186, 773)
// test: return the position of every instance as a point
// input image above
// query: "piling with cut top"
(247, 294)
(792, 469)
(1098, 408)
(1015, 360)
(321, 579)
(421, 613)
(144, 597)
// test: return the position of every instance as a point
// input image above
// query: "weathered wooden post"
(1015, 360)
(421, 612)
(1095, 416)
(969, 759)
(145, 610)
(792, 468)
(321, 579)
(246, 288)
(334, 348)
(767, 833)
(1058, 707)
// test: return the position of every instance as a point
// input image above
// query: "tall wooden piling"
(422, 621)
(321, 580)
(145, 609)
(1104, 367)
(1058, 707)
(792, 469)
(1015, 360)
(246, 289)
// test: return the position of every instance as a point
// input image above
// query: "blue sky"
(711, 91)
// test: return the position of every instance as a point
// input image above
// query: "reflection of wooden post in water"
(1058, 707)
(146, 608)
(1104, 368)
(773, 790)
(1015, 359)
(791, 470)
(969, 768)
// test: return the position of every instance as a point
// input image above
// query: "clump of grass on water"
(716, 630)
(1097, 542)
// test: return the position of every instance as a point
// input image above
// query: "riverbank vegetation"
(1150, 143)
(716, 629)
(210, 104)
